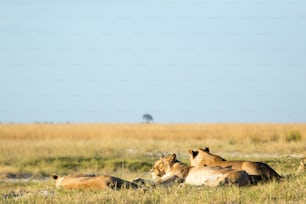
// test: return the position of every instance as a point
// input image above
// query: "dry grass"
(76, 139)
(154, 131)
(21, 143)
(128, 150)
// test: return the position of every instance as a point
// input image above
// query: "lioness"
(256, 170)
(302, 167)
(76, 181)
(169, 168)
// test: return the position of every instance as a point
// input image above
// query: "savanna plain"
(31, 153)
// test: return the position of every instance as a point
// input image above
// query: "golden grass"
(21, 143)
(141, 131)
(43, 149)
(261, 137)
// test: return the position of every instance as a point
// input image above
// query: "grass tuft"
(293, 136)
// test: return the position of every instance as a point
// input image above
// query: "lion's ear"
(206, 149)
(172, 157)
(193, 153)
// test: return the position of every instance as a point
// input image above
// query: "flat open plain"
(31, 153)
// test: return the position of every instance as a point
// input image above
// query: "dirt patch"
(22, 193)
(10, 175)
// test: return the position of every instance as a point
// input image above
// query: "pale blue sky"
(181, 61)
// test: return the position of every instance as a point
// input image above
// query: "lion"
(83, 181)
(168, 168)
(257, 171)
(302, 167)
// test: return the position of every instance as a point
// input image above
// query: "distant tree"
(147, 118)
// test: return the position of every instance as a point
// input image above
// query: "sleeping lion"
(257, 171)
(168, 168)
(82, 181)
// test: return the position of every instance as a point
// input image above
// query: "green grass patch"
(63, 165)
(293, 136)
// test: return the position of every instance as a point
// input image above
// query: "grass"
(284, 192)
(36, 151)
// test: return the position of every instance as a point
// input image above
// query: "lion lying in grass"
(257, 171)
(168, 168)
(82, 181)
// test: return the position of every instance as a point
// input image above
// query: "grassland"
(30, 153)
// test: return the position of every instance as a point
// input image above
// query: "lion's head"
(202, 157)
(199, 157)
(162, 166)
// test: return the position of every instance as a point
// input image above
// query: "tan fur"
(80, 181)
(168, 168)
(256, 170)
(302, 167)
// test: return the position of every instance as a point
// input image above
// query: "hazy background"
(180, 61)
